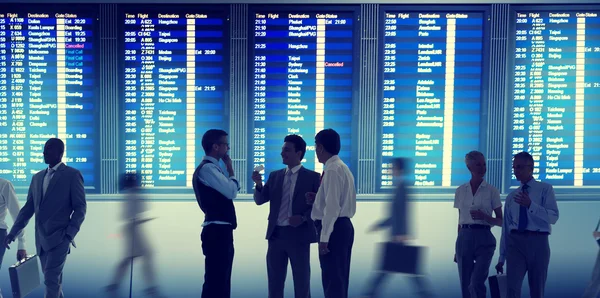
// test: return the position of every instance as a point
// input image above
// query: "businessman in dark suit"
(57, 198)
(290, 230)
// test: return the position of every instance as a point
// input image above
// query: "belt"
(528, 232)
(341, 217)
(485, 227)
(318, 221)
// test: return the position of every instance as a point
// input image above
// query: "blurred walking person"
(136, 243)
(398, 224)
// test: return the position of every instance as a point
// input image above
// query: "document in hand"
(497, 286)
(401, 258)
(24, 276)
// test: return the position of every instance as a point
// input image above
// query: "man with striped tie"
(528, 213)
(290, 230)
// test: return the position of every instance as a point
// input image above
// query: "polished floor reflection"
(175, 240)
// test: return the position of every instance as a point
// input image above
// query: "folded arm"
(227, 186)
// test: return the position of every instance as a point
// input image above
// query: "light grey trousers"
(474, 252)
(527, 253)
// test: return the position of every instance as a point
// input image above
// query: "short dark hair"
(210, 138)
(299, 143)
(330, 140)
(525, 156)
(399, 163)
(56, 143)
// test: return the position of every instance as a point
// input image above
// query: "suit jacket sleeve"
(263, 196)
(78, 204)
(315, 188)
(25, 214)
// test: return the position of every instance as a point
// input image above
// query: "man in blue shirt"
(528, 213)
(215, 191)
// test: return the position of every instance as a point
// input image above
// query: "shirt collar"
(332, 159)
(529, 183)
(56, 166)
(294, 169)
(483, 184)
(210, 158)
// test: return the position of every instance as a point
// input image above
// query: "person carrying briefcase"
(397, 256)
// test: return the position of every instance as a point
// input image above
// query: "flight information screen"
(556, 112)
(47, 90)
(303, 80)
(175, 84)
(432, 77)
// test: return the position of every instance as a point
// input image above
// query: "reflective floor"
(174, 237)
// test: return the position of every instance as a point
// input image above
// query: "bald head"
(53, 151)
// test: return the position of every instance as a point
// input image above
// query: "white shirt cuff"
(21, 244)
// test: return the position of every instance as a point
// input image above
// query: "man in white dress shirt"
(334, 205)
(9, 202)
(529, 213)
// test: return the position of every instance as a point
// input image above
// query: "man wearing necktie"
(528, 213)
(290, 230)
(57, 198)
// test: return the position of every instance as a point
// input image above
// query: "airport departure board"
(302, 82)
(175, 85)
(47, 90)
(556, 107)
(432, 67)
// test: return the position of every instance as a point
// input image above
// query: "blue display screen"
(432, 67)
(175, 86)
(556, 91)
(47, 89)
(303, 76)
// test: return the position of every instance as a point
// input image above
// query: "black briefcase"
(497, 286)
(401, 258)
(24, 276)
